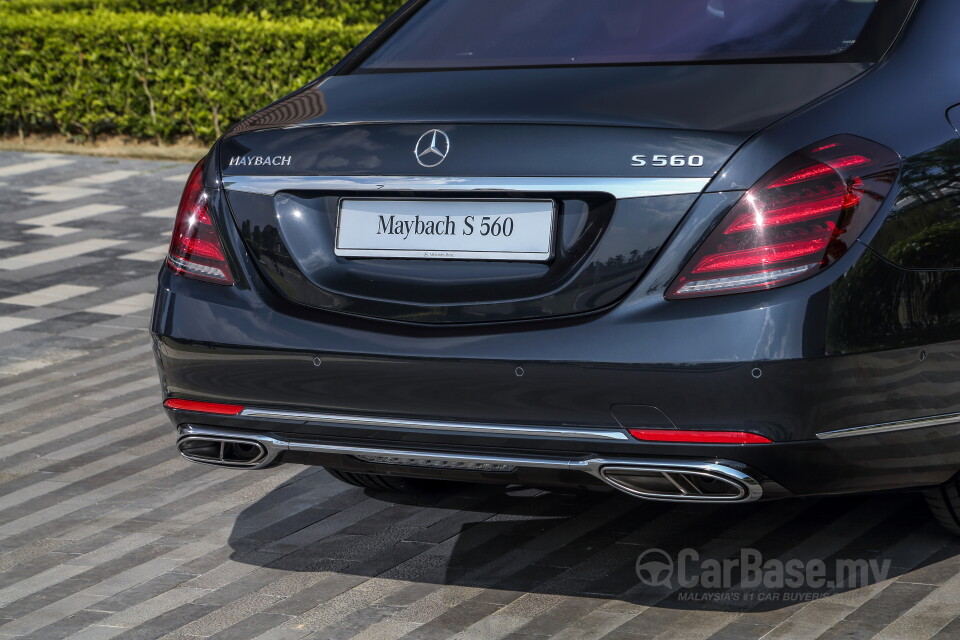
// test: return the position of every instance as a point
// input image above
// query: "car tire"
(944, 502)
(391, 484)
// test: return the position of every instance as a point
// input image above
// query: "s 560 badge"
(666, 161)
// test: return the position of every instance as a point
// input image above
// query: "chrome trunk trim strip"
(620, 188)
(889, 427)
(484, 429)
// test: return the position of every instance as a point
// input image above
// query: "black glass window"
(505, 33)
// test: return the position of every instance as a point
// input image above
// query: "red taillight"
(203, 407)
(799, 219)
(196, 250)
(698, 437)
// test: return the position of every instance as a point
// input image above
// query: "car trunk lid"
(621, 152)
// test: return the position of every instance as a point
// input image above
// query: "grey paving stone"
(739, 630)
(871, 618)
(166, 622)
(67, 627)
(560, 616)
(949, 632)
(357, 622)
(86, 579)
(246, 585)
(409, 594)
(320, 592)
(142, 592)
(452, 621)
(42, 598)
(252, 627)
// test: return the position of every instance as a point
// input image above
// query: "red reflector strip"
(701, 437)
(203, 407)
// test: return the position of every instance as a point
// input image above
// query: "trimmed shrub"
(349, 11)
(20, 6)
(155, 76)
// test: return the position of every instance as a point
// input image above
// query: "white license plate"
(446, 229)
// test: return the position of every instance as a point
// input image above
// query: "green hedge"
(155, 76)
(350, 11)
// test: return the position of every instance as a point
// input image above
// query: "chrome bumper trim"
(485, 429)
(620, 188)
(752, 489)
(889, 427)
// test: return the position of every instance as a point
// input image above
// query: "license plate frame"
(540, 218)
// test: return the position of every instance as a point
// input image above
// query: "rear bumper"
(914, 457)
(748, 363)
(752, 362)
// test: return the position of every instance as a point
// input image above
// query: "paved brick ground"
(105, 532)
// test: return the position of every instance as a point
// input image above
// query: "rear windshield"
(458, 34)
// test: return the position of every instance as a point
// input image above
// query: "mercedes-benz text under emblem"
(432, 148)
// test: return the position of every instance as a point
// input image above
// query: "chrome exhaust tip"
(223, 452)
(700, 483)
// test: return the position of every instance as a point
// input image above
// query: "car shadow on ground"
(756, 557)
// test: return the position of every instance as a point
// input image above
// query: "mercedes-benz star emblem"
(432, 148)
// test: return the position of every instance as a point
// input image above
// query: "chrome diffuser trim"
(488, 429)
(620, 188)
(889, 427)
(594, 466)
